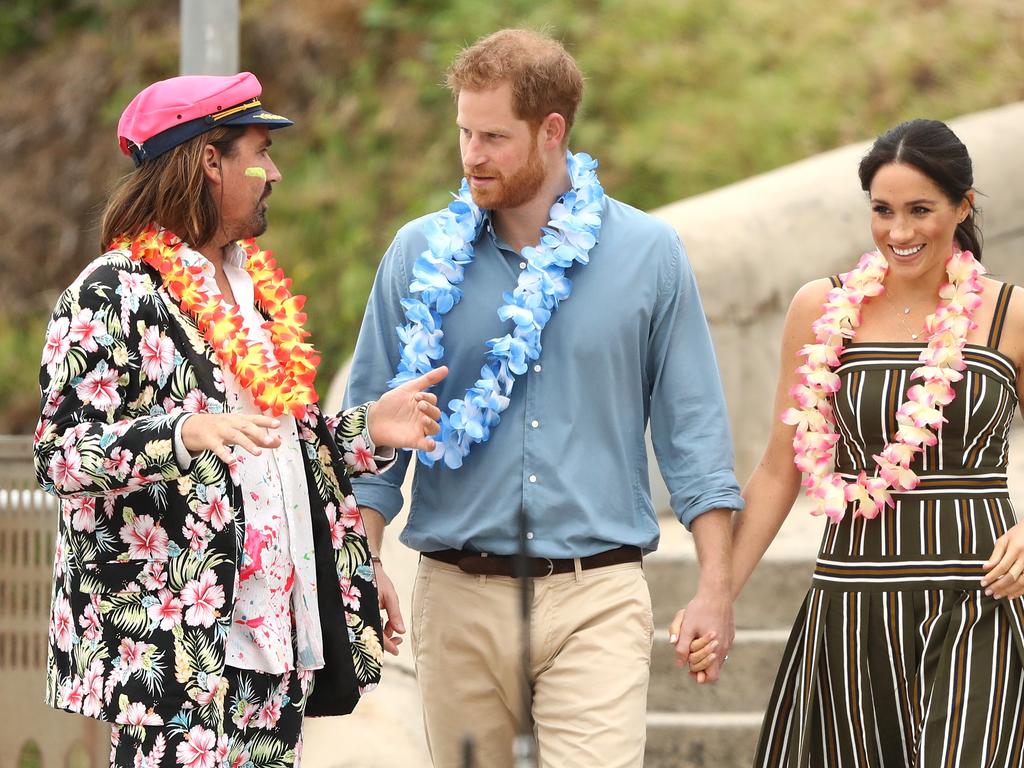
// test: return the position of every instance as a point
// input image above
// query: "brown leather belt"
(481, 564)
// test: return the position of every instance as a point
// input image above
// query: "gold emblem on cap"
(235, 110)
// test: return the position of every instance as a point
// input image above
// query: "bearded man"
(213, 582)
(532, 248)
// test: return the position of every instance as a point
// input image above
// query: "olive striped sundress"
(897, 657)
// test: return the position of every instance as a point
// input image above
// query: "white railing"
(28, 523)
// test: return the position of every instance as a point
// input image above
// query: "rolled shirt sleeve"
(689, 419)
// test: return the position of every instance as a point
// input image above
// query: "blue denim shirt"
(630, 344)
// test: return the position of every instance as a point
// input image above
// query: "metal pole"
(524, 747)
(209, 37)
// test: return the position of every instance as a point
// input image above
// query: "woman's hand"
(698, 644)
(1005, 577)
(406, 416)
(702, 654)
(217, 432)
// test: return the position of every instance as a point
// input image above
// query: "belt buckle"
(551, 567)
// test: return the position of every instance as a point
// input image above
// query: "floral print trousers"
(252, 720)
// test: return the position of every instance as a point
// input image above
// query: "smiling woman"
(942, 174)
(904, 446)
(912, 221)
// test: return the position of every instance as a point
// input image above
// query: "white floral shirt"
(277, 570)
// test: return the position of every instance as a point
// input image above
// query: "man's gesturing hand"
(217, 432)
(406, 416)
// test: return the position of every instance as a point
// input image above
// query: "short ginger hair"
(543, 76)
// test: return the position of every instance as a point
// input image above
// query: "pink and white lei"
(941, 365)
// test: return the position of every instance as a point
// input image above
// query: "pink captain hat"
(170, 112)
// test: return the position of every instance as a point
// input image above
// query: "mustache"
(267, 190)
(481, 170)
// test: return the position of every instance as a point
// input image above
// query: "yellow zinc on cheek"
(255, 170)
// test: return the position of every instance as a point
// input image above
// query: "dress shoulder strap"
(999, 316)
(836, 282)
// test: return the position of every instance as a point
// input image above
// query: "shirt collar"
(487, 228)
(488, 224)
(234, 256)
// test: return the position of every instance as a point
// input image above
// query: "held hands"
(217, 432)
(406, 416)
(702, 634)
(1005, 577)
(702, 655)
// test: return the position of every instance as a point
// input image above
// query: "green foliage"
(21, 343)
(125, 611)
(683, 96)
(365, 659)
(268, 751)
(88, 652)
(183, 380)
(25, 23)
(201, 652)
(208, 469)
(152, 672)
(353, 553)
(190, 566)
(30, 755)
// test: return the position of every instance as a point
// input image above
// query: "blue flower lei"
(571, 233)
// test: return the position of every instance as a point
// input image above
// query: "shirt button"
(536, 368)
(522, 265)
(534, 423)
(529, 534)
(533, 478)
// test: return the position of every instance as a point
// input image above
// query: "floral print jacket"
(140, 607)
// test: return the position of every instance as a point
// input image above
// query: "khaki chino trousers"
(590, 664)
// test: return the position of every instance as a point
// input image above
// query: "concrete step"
(701, 741)
(746, 682)
(770, 599)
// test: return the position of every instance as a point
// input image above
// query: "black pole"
(525, 747)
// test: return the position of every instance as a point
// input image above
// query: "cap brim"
(258, 116)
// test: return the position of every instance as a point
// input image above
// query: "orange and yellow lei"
(282, 384)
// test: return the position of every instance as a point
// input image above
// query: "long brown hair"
(171, 191)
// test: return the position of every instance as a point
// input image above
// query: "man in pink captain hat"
(213, 582)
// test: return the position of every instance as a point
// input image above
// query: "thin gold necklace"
(901, 315)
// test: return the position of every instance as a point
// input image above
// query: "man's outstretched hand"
(406, 416)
